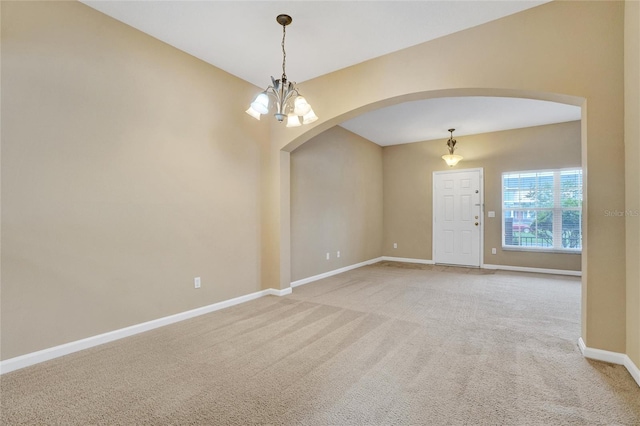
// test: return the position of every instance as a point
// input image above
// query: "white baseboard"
(633, 369)
(407, 260)
(334, 272)
(275, 292)
(32, 358)
(488, 266)
(358, 265)
(611, 357)
(536, 270)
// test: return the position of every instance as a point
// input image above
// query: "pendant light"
(285, 95)
(451, 159)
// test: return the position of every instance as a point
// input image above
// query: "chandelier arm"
(272, 93)
(290, 94)
(286, 101)
(451, 144)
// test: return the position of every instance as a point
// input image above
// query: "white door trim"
(480, 170)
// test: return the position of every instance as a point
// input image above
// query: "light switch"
(491, 214)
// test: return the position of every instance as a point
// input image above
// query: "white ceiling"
(243, 38)
(429, 119)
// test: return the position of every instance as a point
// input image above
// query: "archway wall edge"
(310, 132)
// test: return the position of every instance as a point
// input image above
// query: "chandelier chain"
(284, 54)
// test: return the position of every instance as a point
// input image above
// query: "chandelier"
(451, 159)
(284, 93)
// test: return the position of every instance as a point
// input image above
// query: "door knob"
(476, 223)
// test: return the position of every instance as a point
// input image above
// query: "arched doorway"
(284, 155)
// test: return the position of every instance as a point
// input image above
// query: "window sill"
(540, 250)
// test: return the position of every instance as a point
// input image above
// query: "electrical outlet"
(328, 256)
(196, 282)
(494, 251)
(395, 245)
(338, 253)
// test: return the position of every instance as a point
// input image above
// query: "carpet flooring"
(386, 344)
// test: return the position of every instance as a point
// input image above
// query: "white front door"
(457, 214)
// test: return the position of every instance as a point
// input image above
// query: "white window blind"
(542, 210)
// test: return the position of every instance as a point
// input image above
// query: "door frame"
(480, 170)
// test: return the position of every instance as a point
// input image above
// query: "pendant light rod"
(284, 20)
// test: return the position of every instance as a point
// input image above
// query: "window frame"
(556, 210)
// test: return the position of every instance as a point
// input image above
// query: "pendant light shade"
(285, 95)
(293, 121)
(301, 107)
(261, 104)
(252, 112)
(309, 117)
(451, 159)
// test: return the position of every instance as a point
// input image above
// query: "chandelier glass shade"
(283, 94)
(451, 159)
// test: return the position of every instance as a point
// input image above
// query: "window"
(542, 210)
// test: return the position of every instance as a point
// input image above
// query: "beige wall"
(126, 172)
(632, 156)
(336, 202)
(543, 53)
(408, 187)
(126, 169)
